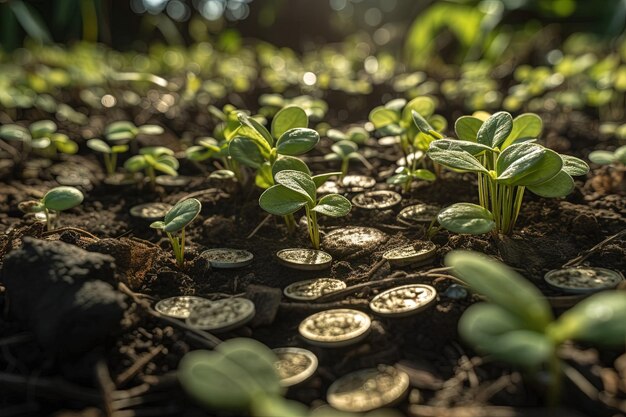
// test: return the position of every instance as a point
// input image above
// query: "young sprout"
(502, 153)
(405, 176)
(152, 159)
(179, 216)
(294, 190)
(516, 325)
(41, 136)
(344, 151)
(53, 203)
(356, 134)
(608, 157)
(127, 131)
(108, 152)
(207, 148)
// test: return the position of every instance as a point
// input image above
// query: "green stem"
(290, 221)
(48, 219)
(555, 376)
(314, 232)
(152, 176)
(344, 168)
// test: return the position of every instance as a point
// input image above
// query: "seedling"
(210, 148)
(345, 151)
(608, 157)
(109, 153)
(356, 134)
(126, 131)
(152, 159)
(501, 151)
(41, 137)
(516, 325)
(405, 176)
(295, 190)
(183, 213)
(271, 104)
(53, 203)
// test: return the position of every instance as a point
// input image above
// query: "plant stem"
(554, 385)
(48, 220)
(344, 168)
(151, 175)
(314, 232)
(290, 221)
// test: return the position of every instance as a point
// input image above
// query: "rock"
(352, 241)
(61, 293)
(266, 302)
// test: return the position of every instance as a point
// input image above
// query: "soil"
(133, 372)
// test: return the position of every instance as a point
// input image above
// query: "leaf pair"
(158, 158)
(125, 131)
(179, 216)
(500, 130)
(57, 199)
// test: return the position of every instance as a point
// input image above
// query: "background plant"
(345, 151)
(152, 159)
(41, 137)
(109, 153)
(176, 219)
(295, 190)
(55, 201)
(516, 324)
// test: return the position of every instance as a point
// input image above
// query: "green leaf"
(15, 132)
(99, 145)
(122, 130)
(620, 154)
(467, 127)
(574, 166)
(297, 141)
(424, 106)
(396, 105)
(527, 164)
(333, 205)
(280, 200)
(264, 178)
(135, 163)
(265, 405)
(558, 186)
(156, 151)
(119, 148)
(423, 125)
(284, 163)
(455, 159)
(336, 135)
(382, 117)
(473, 148)
(166, 165)
(40, 143)
(494, 330)
(151, 130)
(287, 118)
(602, 157)
(495, 129)
(502, 286)
(320, 179)
(42, 128)
(255, 130)
(298, 182)
(246, 152)
(183, 213)
(64, 144)
(399, 179)
(597, 319)
(343, 148)
(525, 126)
(62, 198)
(157, 225)
(424, 174)
(466, 218)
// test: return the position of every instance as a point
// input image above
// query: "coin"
(352, 239)
(356, 183)
(221, 315)
(403, 301)
(335, 328)
(415, 252)
(313, 288)
(227, 257)
(150, 211)
(377, 200)
(178, 307)
(294, 365)
(583, 280)
(304, 259)
(418, 214)
(368, 389)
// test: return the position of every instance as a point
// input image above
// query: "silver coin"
(583, 280)
(150, 211)
(228, 258)
(418, 251)
(357, 183)
(377, 200)
(403, 301)
(368, 389)
(304, 259)
(418, 214)
(294, 365)
(389, 141)
(178, 307)
(221, 315)
(74, 179)
(312, 289)
(172, 181)
(335, 328)
(329, 187)
(352, 239)
(411, 157)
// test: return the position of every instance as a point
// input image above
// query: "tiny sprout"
(344, 151)
(53, 202)
(176, 219)
(356, 134)
(608, 157)
(294, 190)
(152, 159)
(405, 176)
(108, 152)
(126, 131)
(41, 136)
(516, 325)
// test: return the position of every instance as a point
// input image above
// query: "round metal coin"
(150, 211)
(171, 181)
(304, 259)
(418, 214)
(357, 183)
(583, 280)
(313, 288)
(294, 365)
(406, 255)
(227, 257)
(221, 315)
(352, 239)
(178, 307)
(335, 328)
(403, 301)
(368, 389)
(377, 200)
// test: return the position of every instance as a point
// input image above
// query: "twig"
(256, 229)
(107, 386)
(375, 268)
(70, 229)
(582, 257)
(131, 371)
